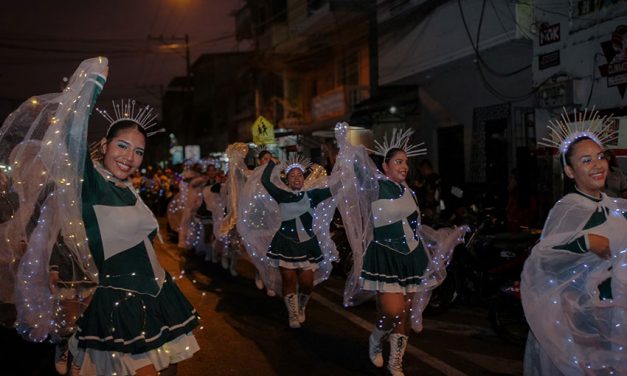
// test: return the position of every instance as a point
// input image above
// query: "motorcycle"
(507, 317)
(485, 262)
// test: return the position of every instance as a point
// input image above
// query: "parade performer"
(263, 157)
(182, 208)
(137, 320)
(286, 230)
(394, 256)
(203, 218)
(222, 200)
(574, 284)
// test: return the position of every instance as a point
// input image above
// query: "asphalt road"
(245, 332)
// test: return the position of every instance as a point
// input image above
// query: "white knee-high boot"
(303, 299)
(375, 348)
(291, 303)
(258, 280)
(398, 344)
(233, 263)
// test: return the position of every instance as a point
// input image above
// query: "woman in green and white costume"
(394, 256)
(574, 284)
(286, 230)
(137, 321)
(137, 312)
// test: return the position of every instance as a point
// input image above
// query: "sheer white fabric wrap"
(580, 333)
(355, 187)
(45, 143)
(259, 219)
(230, 192)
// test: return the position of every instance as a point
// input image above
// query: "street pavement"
(245, 332)
(250, 334)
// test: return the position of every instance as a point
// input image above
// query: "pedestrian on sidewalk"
(394, 257)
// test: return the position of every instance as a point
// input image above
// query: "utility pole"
(172, 40)
(187, 127)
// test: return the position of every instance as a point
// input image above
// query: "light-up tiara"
(399, 140)
(296, 161)
(126, 111)
(563, 132)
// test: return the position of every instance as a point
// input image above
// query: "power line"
(476, 47)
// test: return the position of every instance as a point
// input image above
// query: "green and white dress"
(392, 252)
(137, 316)
(294, 246)
(395, 260)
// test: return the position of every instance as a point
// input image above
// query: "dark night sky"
(41, 41)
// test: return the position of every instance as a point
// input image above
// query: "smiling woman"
(394, 256)
(573, 284)
(82, 239)
(148, 322)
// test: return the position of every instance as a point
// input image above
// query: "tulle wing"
(581, 333)
(439, 245)
(322, 217)
(354, 186)
(45, 143)
(236, 178)
(257, 222)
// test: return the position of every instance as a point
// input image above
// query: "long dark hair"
(262, 154)
(116, 128)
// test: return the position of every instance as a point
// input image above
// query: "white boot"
(208, 252)
(398, 344)
(302, 305)
(233, 264)
(258, 281)
(61, 357)
(214, 251)
(291, 303)
(375, 348)
(224, 261)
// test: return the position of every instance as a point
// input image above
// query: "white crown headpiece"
(563, 132)
(296, 161)
(399, 140)
(126, 111)
(259, 148)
